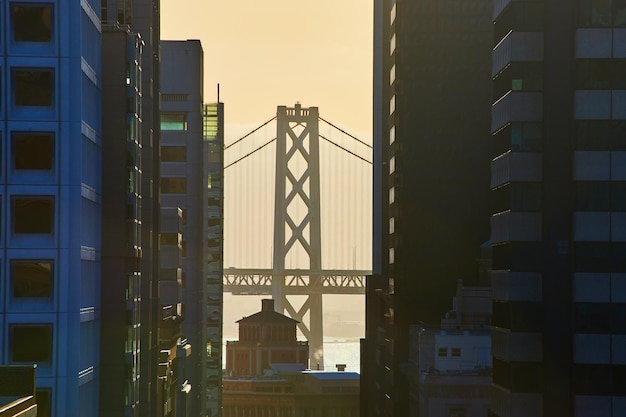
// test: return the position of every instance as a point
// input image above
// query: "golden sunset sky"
(269, 53)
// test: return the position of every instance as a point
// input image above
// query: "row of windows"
(601, 318)
(601, 74)
(599, 379)
(588, 196)
(455, 352)
(588, 256)
(591, 135)
(528, 16)
(602, 13)
(600, 196)
(600, 135)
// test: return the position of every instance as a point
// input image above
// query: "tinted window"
(33, 214)
(32, 278)
(33, 150)
(33, 87)
(32, 23)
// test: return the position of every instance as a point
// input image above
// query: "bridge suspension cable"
(344, 149)
(249, 133)
(250, 153)
(346, 133)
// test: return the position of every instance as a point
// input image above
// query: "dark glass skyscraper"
(432, 90)
(558, 180)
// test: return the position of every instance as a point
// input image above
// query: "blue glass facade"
(50, 197)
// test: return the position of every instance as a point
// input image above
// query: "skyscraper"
(191, 171)
(130, 315)
(559, 257)
(431, 154)
(50, 124)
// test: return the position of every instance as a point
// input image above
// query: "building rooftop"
(267, 315)
(333, 376)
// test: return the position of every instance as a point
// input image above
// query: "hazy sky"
(269, 53)
(277, 52)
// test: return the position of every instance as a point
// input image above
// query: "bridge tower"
(297, 223)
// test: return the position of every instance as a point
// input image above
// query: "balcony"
(516, 227)
(516, 346)
(517, 47)
(517, 106)
(516, 166)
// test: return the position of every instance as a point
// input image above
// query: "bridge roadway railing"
(297, 281)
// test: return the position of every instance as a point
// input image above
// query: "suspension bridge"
(321, 210)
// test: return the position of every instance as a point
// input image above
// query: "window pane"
(593, 135)
(594, 74)
(173, 153)
(619, 13)
(43, 402)
(174, 185)
(33, 87)
(33, 150)
(32, 23)
(32, 278)
(33, 214)
(173, 121)
(31, 343)
(592, 196)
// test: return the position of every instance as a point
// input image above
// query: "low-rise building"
(17, 391)
(451, 366)
(266, 374)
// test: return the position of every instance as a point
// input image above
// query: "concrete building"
(451, 365)
(432, 89)
(293, 394)
(559, 258)
(265, 338)
(191, 172)
(266, 377)
(50, 124)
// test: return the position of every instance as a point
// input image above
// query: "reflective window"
(32, 278)
(602, 13)
(173, 121)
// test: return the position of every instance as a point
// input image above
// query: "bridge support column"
(297, 234)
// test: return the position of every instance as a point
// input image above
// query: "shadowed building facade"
(130, 314)
(432, 90)
(558, 180)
